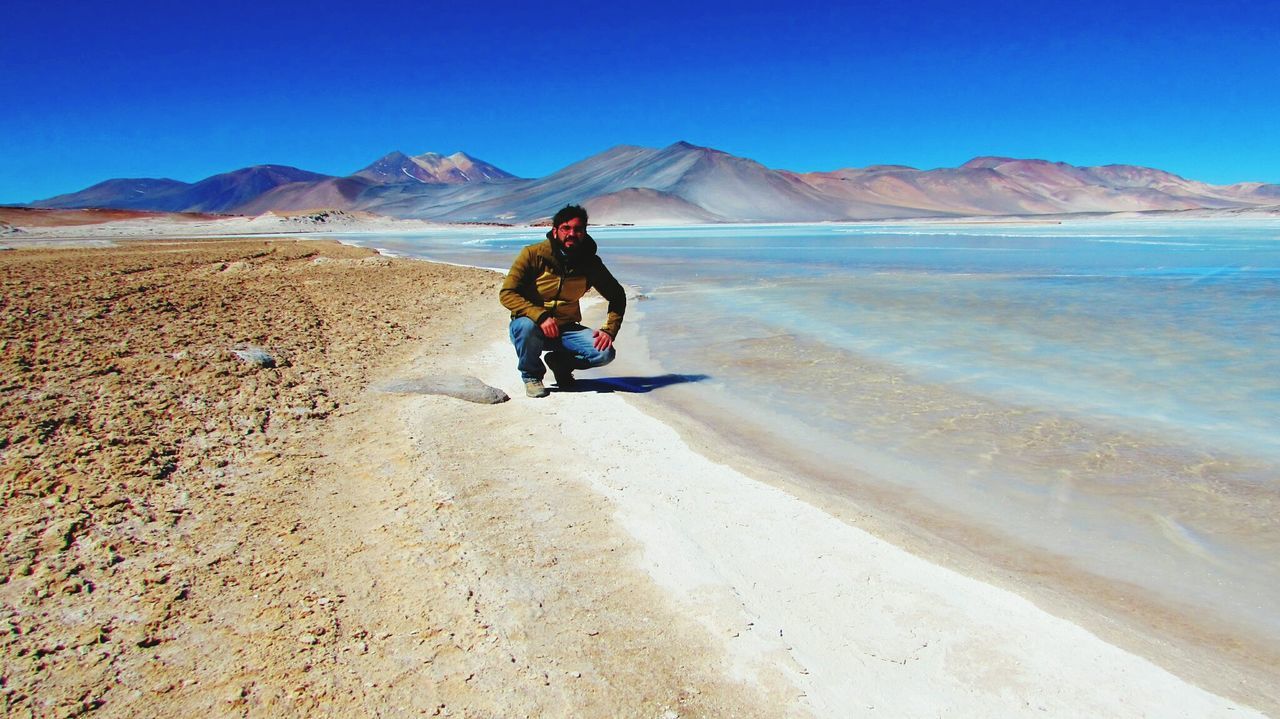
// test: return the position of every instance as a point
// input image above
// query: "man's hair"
(568, 212)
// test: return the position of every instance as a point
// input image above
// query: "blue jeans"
(575, 342)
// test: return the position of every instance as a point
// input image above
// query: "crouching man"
(542, 291)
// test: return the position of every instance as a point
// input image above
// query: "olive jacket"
(543, 281)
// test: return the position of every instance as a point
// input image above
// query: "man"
(542, 291)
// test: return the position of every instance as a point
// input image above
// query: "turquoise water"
(1107, 393)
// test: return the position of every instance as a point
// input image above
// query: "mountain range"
(679, 184)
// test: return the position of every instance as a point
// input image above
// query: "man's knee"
(600, 358)
(523, 328)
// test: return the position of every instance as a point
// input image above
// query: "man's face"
(570, 232)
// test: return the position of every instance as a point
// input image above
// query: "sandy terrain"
(186, 532)
(31, 218)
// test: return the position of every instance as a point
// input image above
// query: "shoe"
(534, 388)
(562, 367)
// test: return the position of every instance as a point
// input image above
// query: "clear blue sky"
(97, 90)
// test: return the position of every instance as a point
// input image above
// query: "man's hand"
(550, 329)
(603, 341)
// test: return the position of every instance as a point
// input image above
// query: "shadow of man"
(633, 385)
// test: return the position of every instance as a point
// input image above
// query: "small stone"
(255, 356)
(308, 639)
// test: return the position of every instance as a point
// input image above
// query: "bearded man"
(542, 292)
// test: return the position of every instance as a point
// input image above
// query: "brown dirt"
(188, 533)
(48, 217)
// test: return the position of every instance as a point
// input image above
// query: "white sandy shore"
(857, 626)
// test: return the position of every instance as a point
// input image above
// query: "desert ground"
(189, 533)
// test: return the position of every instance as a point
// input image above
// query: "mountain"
(123, 194)
(456, 169)
(253, 190)
(219, 193)
(636, 206)
(339, 193)
(1007, 186)
(721, 184)
(230, 190)
(681, 183)
(383, 183)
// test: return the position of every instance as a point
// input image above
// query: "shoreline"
(1204, 653)
(1207, 650)
(807, 609)
(790, 579)
(1207, 653)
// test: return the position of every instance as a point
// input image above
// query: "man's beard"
(573, 252)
